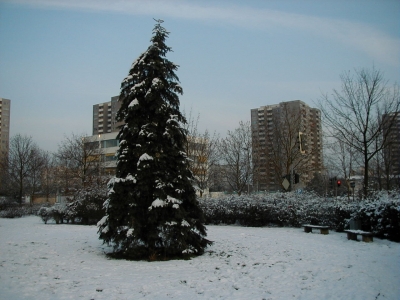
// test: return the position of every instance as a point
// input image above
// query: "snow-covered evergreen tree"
(152, 210)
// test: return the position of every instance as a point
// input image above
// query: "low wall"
(42, 200)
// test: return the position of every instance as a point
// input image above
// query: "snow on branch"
(161, 203)
(144, 157)
(133, 103)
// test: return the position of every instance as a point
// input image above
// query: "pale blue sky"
(60, 57)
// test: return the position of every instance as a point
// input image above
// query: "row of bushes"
(282, 209)
(86, 207)
(11, 209)
(380, 213)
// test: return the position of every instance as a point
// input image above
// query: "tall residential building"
(105, 130)
(5, 106)
(392, 152)
(276, 148)
(104, 116)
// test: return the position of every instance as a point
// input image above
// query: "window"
(110, 158)
(92, 145)
(109, 143)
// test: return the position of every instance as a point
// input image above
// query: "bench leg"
(352, 236)
(324, 231)
(307, 229)
(367, 238)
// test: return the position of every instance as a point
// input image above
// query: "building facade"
(278, 131)
(392, 151)
(104, 116)
(5, 110)
(107, 145)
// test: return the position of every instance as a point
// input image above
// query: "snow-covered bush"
(87, 204)
(45, 214)
(283, 209)
(6, 203)
(12, 209)
(13, 212)
(57, 212)
(343, 214)
(85, 207)
(380, 213)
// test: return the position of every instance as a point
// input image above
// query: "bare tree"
(353, 114)
(284, 144)
(36, 165)
(80, 159)
(236, 153)
(48, 176)
(202, 150)
(64, 174)
(4, 182)
(342, 160)
(18, 164)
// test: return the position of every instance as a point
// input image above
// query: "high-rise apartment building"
(5, 109)
(276, 146)
(104, 116)
(105, 130)
(392, 152)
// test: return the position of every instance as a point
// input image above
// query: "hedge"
(380, 213)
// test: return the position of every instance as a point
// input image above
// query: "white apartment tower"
(5, 106)
(276, 148)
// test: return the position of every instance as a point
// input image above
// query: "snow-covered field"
(39, 261)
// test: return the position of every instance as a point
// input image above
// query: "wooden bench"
(323, 229)
(366, 236)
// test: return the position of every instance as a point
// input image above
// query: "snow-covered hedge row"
(379, 214)
(85, 207)
(283, 209)
(11, 209)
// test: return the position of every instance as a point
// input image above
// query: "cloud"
(361, 37)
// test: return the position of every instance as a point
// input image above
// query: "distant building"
(107, 144)
(5, 109)
(392, 152)
(105, 131)
(275, 130)
(104, 116)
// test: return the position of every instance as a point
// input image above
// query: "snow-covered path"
(39, 261)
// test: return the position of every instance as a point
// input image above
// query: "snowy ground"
(39, 261)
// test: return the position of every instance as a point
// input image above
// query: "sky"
(58, 58)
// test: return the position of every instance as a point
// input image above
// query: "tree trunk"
(366, 177)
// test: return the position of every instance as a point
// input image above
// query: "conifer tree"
(152, 211)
